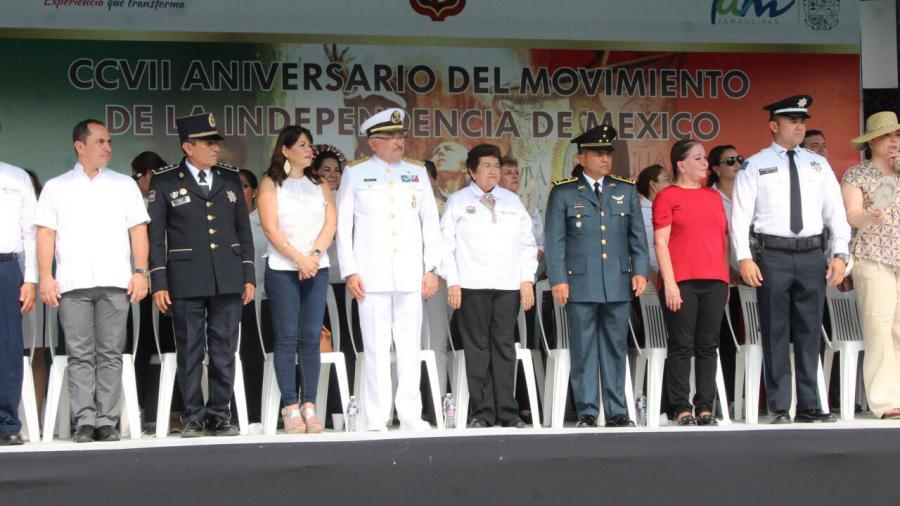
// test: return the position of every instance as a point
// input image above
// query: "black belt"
(790, 243)
(7, 257)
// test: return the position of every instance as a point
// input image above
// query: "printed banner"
(530, 102)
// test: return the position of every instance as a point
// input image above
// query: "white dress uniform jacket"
(762, 199)
(388, 230)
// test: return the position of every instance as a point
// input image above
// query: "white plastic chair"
(846, 339)
(749, 370)
(459, 383)
(556, 379)
(653, 356)
(336, 359)
(28, 410)
(429, 358)
(130, 410)
(525, 358)
(168, 363)
(56, 408)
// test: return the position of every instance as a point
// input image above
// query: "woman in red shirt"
(690, 237)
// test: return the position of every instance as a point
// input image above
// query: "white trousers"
(385, 318)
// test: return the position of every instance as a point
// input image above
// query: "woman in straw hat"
(872, 198)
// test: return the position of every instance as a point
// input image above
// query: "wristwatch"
(143, 272)
(842, 256)
(317, 252)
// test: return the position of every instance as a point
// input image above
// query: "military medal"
(413, 201)
(182, 191)
(174, 195)
(231, 196)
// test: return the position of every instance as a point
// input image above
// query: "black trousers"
(206, 325)
(487, 327)
(790, 308)
(694, 333)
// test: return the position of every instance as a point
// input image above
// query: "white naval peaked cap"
(388, 120)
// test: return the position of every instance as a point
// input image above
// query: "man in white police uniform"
(388, 242)
(784, 198)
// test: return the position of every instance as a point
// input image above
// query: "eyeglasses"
(731, 160)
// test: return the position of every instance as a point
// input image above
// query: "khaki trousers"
(878, 288)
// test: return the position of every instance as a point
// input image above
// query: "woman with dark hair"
(328, 163)
(872, 200)
(489, 266)
(650, 182)
(690, 238)
(298, 217)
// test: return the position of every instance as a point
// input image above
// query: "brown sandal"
(293, 421)
(313, 425)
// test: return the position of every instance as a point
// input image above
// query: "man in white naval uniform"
(388, 248)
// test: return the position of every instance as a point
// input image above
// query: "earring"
(287, 167)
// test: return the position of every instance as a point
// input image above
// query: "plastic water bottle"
(449, 412)
(641, 410)
(351, 424)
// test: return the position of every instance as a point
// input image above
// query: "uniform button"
(394, 233)
(602, 241)
(602, 213)
(392, 216)
(212, 231)
(602, 227)
(604, 256)
(209, 204)
(210, 217)
(621, 214)
(213, 245)
(578, 216)
(570, 272)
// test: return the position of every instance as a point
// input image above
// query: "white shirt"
(762, 199)
(259, 251)
(592, 181)
(91, 218)
(301, 217)
(480, 253)
(196, 173)
(647, 214)
(17, 202)
(388, 230)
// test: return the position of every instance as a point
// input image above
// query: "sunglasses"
(731, 160)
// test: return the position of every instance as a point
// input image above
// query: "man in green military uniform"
(596, 258)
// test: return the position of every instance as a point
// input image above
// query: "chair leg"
(723, 395)
(167, 365)
(849, 360)
(629, 392)
(550, 388)
(537, 359)
(272, 398)
(655, 363)
(752, 378)
(55, 386)
(28, 411)
(829, 363)
(130, 420)
(740, 369)
(64, 415)
(563, 368)
(530, 385)
(793, 410)
(268, 377)
(460, 389)
(240, 396)
(322, 392)
(640, 370)
(340, 366)
(823, 388)
(430, 361)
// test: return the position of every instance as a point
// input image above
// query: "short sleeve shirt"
(878, 242)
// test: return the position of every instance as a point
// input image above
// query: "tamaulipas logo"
(748, 11)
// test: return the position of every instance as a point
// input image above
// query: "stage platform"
(843, 463)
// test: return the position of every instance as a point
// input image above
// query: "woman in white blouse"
(298, 217)
(489, 266)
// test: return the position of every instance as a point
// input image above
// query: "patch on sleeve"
(151, 196)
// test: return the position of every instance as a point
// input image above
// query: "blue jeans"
(298, 310)
(10, 346)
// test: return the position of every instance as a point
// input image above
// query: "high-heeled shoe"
(293, 421)
(313, 425)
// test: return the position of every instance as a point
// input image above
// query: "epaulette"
(165, 169)
(357, 161)
(622, 179)
(413, 161)
(228, 167)
(564, 181)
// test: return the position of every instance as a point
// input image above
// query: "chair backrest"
(33, 325)
(843, 312)
(135, 326)
(654, 325)
(334, 318)
(750, 309)
(348, 313)
(559, 316)
(523, 328)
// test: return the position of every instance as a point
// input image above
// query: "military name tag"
(370, 180)
(816, 167)
(181, 201)
(768, 170)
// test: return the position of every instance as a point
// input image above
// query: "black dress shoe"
(707, 420)
(478, 423)
(218, 426)
(619, 421)
(516, 423)
(781, 418)
(814, 416)
(686, 421)
(84, 434)
(11, 439)
(106, 433)
(192, 429)
(586, 421)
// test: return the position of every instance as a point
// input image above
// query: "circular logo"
(212, 120)
(395, 117)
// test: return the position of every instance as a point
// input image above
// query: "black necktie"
(597, 192)
(204, 186)
(796, 206)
